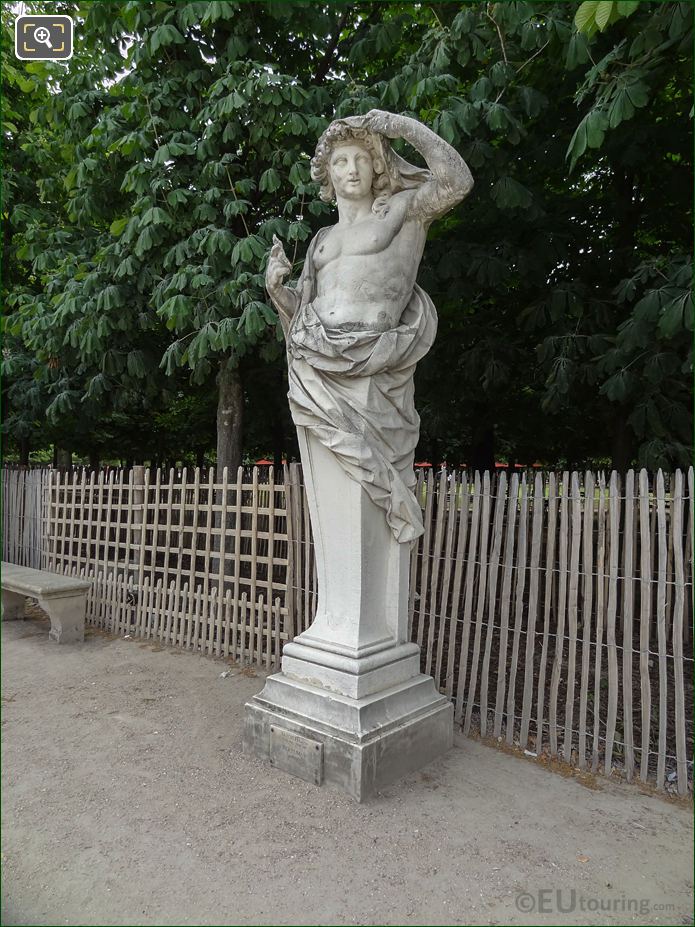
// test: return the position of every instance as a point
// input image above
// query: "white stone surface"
(63, 598)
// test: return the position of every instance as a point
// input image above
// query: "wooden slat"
(68, 521)
(558, 659)
(187, 616)
(129, 557)
(468, 598)
(6, 531)
(496, 547)
(645, 621)
(547, 605)
(152, 515)
(254, 536)
(456, 591)
(80, 531)
(244, 629)
(628, 614)
(237, 531)
(95, 553)
(141, 609)
(261, 637)
(425, 560)
(64, 549)
(277, 631)
(586, 620)
(50, 525)
(506, 599)
(600, 618)
(167, 529)
(480, 606)
(534, 579)
(217, 622)
(414, 553)
(178, 624)
(193, 550)
(141, 493)
(690, 554)
(668, 502)
(437, 554)
(159, 610)
(661, 626)
(518, 609)
(234, 646)
(166, 626)
(123, 612)
(8, 522)
(209, 516)
(271, 556)
(611, 650)
(226, 648)
(212, 620)
(678, 614)
(291, 553)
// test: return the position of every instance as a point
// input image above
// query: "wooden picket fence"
(211, 555)
(23, 516)
(554, 611)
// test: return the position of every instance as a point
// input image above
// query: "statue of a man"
(350, 706)
(357, 322)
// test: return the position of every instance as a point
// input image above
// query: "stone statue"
(357, 311)
(356, 324)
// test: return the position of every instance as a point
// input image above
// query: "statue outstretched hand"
(279, 267)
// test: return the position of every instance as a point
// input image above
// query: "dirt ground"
(127, 800)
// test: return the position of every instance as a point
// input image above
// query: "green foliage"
(143, 197)
(597, 15)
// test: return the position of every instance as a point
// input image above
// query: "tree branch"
(327, 60)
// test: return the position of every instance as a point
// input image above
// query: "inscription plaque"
(297, 755)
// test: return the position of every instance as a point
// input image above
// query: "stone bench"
(63, 598)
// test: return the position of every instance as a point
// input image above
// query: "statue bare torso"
(365, 267)
(365, 271)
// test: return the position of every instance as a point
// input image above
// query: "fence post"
(138, 475)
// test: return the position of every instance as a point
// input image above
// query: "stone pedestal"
(350, 707)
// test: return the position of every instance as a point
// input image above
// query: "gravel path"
(127, 800)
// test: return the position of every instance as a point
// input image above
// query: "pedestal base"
(359, 745)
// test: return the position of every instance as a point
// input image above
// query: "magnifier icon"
(41, 34)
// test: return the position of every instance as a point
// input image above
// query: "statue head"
(391, 173)
(337, 134)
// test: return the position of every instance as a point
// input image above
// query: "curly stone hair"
(337, 134)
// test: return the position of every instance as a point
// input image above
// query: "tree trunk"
(63, 458)
(278, 443)
(24, 452)
(230, 418)
(622, 444)
(482, 455)
(435, 454)
(94, 459)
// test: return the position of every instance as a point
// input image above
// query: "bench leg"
(12, 605)
(67, 618)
